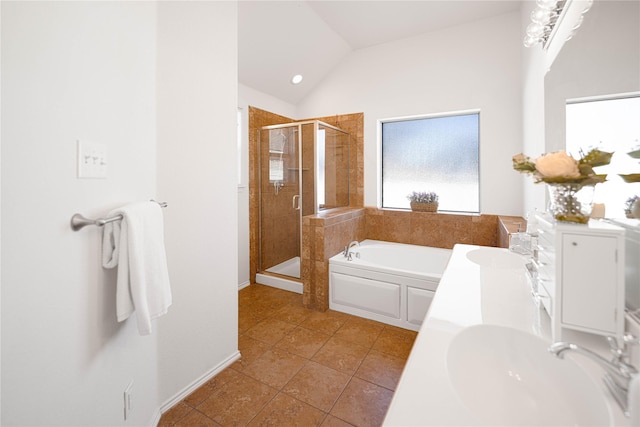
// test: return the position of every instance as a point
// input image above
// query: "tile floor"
(300, 368)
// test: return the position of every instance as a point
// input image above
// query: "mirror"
(602, 59)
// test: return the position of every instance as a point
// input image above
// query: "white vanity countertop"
(468, 295)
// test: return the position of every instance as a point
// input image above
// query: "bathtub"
(392, 283)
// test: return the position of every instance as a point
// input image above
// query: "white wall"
(156, 83)
(72, 70)
(603, 58)
(0, 219)
(248, 96)
(534, 69)
(197, 175)
(473, 66)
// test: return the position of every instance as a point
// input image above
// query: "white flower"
(558, 164)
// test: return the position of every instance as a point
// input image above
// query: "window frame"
(599, 144)
(379, 183)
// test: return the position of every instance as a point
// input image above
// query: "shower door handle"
(296, 202)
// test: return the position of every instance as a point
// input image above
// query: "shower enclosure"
(304, 168)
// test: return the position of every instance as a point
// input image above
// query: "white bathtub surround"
(392, 283)
(291, 268)
(279, 282)
(484, 295)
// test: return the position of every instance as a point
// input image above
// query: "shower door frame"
(261, 268)
(300, 201)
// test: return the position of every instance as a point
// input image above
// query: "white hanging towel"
(136, 246)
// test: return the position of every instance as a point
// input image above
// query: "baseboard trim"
(171, 402)
(241, 286)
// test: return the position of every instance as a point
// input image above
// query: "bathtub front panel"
(379, 297)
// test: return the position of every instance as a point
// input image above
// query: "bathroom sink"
(495, 259)
(504, 376)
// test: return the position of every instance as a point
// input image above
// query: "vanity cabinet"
(580, 276)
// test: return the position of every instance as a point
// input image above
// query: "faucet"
(618, 374)
(347, 253)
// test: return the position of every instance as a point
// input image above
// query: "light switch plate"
(92, 160)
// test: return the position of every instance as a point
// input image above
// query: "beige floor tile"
(204, 391)
(405, 334)
(394, 342)
(317, 385)
(222, 378)
(381, 369)
(261, 310)
(295, 299)
(237, 402)
(284, 410)
(198, 396)
(362, 403)
(196, 419)
(250, 350)
(328, 322)
(360, 332)
(341, 355)
(321, 362)
(303, 342)
(332, 421)
(175, 414)
(275, 367)
(291, 313)
(270, 330)
(246, 320)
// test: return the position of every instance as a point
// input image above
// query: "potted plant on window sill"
(423, 201)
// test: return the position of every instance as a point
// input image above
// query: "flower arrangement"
(629, 204)
(566, 178)
(424, 201)
(560, 168)
(423, 197)
(632, 177)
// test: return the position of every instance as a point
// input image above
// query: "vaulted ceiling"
(278, 39)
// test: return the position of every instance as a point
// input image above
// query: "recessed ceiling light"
(296, 79)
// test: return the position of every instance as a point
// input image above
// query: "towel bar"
(79, 221)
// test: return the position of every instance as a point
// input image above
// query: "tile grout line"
(260, 307)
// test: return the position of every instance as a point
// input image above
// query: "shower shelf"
(275, 152)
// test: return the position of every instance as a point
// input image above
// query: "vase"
(570, 202)
(635, 209)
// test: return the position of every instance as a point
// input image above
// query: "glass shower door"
(280, 200)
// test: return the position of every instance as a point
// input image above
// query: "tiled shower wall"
(431, 229)
(325, 235)
(351, 123)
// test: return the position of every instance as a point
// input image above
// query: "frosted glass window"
(438, 154)
(610, 125)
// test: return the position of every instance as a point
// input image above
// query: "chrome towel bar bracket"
(79, 221)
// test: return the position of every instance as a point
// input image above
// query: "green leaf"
(596, 158)
(635, 154)
(632, 177)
